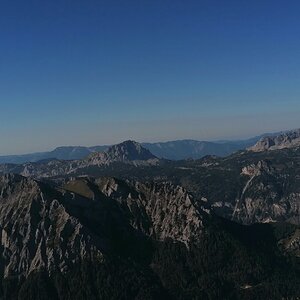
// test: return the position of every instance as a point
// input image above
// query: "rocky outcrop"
(160, 211)
(42, 228)
(108, 238)
(265, 197)
(288, 139)
(37, 230)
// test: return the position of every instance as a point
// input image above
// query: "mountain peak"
(284, 140)
(125, 152)
(129, 151)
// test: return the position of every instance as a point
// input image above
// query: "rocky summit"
(288, 139)
(128, 152)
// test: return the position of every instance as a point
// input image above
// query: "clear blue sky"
(98, 72)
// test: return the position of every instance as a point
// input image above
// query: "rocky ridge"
(93, 238)
(158, 210)
(128, 152)
(52, 229)
(38, 231)
(288, 139)
(167, 230)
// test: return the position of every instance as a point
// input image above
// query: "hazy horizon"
(90, 73)
(148, 141)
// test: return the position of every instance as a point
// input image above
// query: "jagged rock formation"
(264, 198)
(107, 238)
(249, 188)
(175, 217)
(267, 190)
(41, 227)
(37, 230)
(288, 139)
(246, 187)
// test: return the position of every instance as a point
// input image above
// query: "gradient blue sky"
(98, 72)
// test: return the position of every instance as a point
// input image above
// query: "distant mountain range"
(174, 150)
(127, 152)
(65, 153)
(184, 149)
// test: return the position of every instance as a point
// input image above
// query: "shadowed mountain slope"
(112, 239)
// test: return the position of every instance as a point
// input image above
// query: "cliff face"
(107, 238)
(44, 228)
(160, 211)
(38, 231)
(249, 188)
(288, 139)
(265, 196)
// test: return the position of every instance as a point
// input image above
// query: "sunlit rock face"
(288, 139)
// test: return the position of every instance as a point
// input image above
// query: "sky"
(98, 72)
